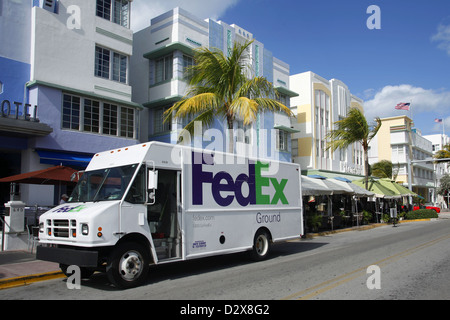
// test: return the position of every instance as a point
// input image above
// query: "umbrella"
(357, 190)
(51, 176)
(314, 187)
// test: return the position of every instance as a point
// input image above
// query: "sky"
(406, 58)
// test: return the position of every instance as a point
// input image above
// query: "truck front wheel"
(128, 265)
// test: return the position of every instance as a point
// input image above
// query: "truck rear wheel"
(128, 265)
(261, 245)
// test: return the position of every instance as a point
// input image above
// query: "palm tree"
(351, 129)
(219, 87)
(444, 153)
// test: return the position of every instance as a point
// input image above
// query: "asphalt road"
(411, 261)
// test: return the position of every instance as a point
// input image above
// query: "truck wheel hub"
(130, 265)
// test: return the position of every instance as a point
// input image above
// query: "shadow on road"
(177, 270)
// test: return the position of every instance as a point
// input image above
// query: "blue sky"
(407, 60)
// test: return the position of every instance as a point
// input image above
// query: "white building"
(320, 103)
(397, 141)
(440, 168)
(74, 81)
(163, 50)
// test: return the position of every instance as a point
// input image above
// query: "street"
(407, 262)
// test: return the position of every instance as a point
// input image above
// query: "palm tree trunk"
(366, 167)
(230, 134)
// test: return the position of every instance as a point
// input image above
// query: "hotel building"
(65, 86)
(398, 142)
(163, 50)
(320, 103)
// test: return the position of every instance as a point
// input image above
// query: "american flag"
(438, 120)
(402, 106)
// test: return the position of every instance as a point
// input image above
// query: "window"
(159, 126)
(322, 104)
(109, 119)
(91, 116)
(114, 68)
(102, 57)
(342, 154)
(126, 122)
(282, 98)
(120, 67)
(164, 69)
(117, 11)
(104, 9)
(187, 63)
(87, 115)
(71, 112)
(282, 141)
(121, 12)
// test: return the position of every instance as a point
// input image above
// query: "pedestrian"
(64, 199)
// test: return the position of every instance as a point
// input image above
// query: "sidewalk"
(18, 268)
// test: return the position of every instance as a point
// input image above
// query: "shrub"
(314, 222)
(421, 214)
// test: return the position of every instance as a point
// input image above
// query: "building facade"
(65, 77)
(398, 142)
(162, 52)
(320, 103)
(440, 168)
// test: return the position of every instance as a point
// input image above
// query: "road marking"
(335, 282)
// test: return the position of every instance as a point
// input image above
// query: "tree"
(444, 186)
(382, 169)
(444, 153)
(220, 86)
(354, 129)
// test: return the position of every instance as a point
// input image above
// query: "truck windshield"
(103, 184)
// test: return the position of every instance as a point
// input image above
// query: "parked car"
(428, 206)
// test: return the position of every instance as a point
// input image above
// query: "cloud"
(422, 100)
(142, 11)
(442, 37)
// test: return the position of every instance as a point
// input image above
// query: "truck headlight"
(84, 229)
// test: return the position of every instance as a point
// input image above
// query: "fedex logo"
(225, 189)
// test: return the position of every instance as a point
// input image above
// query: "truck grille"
(62, 228)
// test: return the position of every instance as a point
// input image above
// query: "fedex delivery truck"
(156, 203)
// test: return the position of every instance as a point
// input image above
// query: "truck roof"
(119, 157)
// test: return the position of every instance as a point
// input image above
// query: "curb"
(25, 280)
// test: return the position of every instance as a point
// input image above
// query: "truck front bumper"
(81, 258)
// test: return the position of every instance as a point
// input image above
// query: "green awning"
(376, 187)
(397, 188)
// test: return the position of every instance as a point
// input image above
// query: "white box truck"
(156, 203)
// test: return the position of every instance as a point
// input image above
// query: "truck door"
(163, 215)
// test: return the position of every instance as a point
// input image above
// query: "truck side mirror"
(152, 180)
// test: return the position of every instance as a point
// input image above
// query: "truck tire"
(128, 265)
(261, 245)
